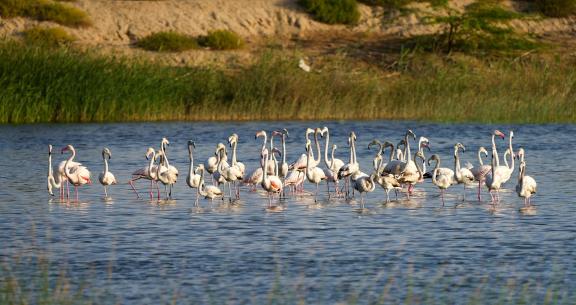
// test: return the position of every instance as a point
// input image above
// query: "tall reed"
(65, 85)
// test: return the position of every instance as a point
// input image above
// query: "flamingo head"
(511, 134)
(324, 130)
(277, 133)
(375, 142)
(387, 144)
(459, 145)
(233, 139)
(499, 133)
(520, 153)
(483, 150)
(191, 145)
(260, 133)
(149, 152)
(106, 152)
(165, 142)
(67, 148)
(308, 145)
(424, 143)
(50, 149)
(353, 136)
(221, 147)
(434, 157)
(309, 131)
(276, 150)
(334, 146)
(285, 131)
(401, 143)
(411, 133)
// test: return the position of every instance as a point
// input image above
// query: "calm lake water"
(135, 251)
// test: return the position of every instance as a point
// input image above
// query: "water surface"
(141, 252)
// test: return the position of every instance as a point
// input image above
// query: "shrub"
(399, 4)
(45, 11)
(332, 11)
(48, 37)
(168, 42)
(556, 8)
(221, 40)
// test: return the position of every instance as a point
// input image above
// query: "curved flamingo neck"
(191, 167)
(51, 178)
(457, 164)
(494, 151)
(434, 180)
(151, 166)
(317, 149)
(419, 169)
(67, 164)
(480, 158)
(234, 161)
(105, 166)
(408, 155)
(283, 148)
(511, 167)
(332, 155)
(201, 186)
(326, 160)
(265, 180)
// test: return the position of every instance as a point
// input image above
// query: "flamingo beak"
(64, 150)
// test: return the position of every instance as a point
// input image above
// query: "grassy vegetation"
(168, 42)
(221, 40)
(34, 279)
(48, 37)
(332, 11)
(41, 85)
(45, 10)
(399, 4)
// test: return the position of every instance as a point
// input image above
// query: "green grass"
(221, 40)
(168, 42)
(44, 85)
(47, 37)
(332, 11)
(44, 10)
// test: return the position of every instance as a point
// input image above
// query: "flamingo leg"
(464, 196)
(442, 195)
(316, 194)
(131, 182)
(328, 189)
(67, 190)
(76, 192)
(151, 188)
(105, 192)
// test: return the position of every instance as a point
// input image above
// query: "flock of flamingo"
(399, 172)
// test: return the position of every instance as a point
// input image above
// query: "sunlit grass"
(65, 85)
(45, 10)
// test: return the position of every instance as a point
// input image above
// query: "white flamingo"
(423, 142)
(409, 174)
(167, 174)
(284, 167)
(231, 174)
(193, 179)
(256, 176)
(233, 141)
(388, 181)
(270, 183)
(150, 172)
(442, 181)
(334, 164)
(331, 173)
(352, 166)
(62, 176)
(52, 183)
(207, 191)
(481, 170)
(526, 186)
(106, 178)
(78, 175)
(462, 175)
(313, 174)
(508, 169)
(365, 184)
(494, 181)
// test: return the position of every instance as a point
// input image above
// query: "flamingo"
(256, 176)
(78, 175)
(331, 173)
(167, 174)
(365, 184)
(494, 180)
(62, 176)
(526, 186)
(507, 170)
(230, 174)
(149, 172)
(284, 167)
(423, 142)
(462, 175)
(335, 164)
(270, 183)
(442, 181)
(294, 179)
(314, 174)
(233, 141)
(193, 179)
(52, 183)
(352, 166)
(106, 178)
(410, 174)
(207, 191)
(388, 181)
(481, 170)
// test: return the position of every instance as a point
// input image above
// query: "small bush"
(332, 11)
(168, 42)
(43, 10)
(556, 8)
(48, 37)
(221, 40)
(399, 4)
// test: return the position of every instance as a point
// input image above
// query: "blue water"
(134, 251)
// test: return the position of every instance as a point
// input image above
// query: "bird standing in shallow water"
(106, 178)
